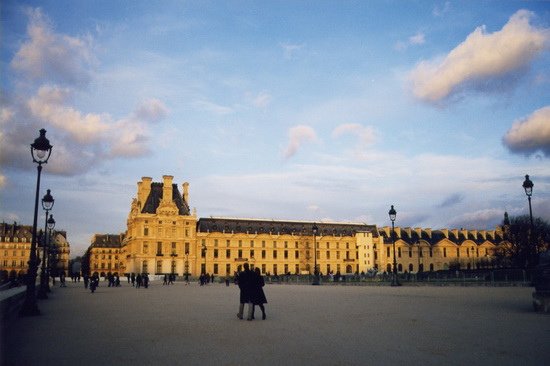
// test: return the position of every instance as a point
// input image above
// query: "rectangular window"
(431, 252)
(263, 254)
(410, 253)
(203, 242)
(296, 244)
(263, 243)
(228, 268)
(228, 253)
(146, 231)
(251, 243)
(297, 268)
(228, 242)
(274, 254)
(240, 253)
(399, 252)
(275, 269)
(159, 267)
(215, 253)
(337, 255)
(215, 268)
(215, 242)
(274, 244)
(145, 247)
(159, 248)
(328, 254)
(263, 268)
(286, 257)
(420, 254)
(240, 243)
(252, 254)
(297, 254)
(286, 244)
(286, 268)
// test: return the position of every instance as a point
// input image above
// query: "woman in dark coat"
(257, 292)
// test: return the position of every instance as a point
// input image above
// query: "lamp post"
(393, 214)
(51, 226)
(528, 186)
(47, 205)
(186, 267)
(203, 252)
(315, 229)
(40, 152)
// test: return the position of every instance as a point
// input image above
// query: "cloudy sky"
(308, 110)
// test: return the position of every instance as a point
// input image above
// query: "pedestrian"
(138, 280)
(86, 279)
(94, 282)
(165, 282)
(145, 279)
(257, 292)
(133, 278)
(62, 279)
(245, 282)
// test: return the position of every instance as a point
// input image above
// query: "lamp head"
(41, 148)
(51, 223)
(392, 213)
(47, 201)
(528, 186)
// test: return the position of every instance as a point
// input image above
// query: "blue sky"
(309, 110)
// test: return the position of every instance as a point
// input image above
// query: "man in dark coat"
(245, 282)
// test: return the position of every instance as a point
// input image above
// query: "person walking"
(257, 292)
(245, 282)
(138, 280)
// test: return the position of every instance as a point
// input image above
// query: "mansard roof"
(267, 226)
(107, 240)
(15, 231)
(155, 196)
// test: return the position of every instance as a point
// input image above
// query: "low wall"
(10, 303)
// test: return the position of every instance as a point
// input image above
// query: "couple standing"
(251, 283)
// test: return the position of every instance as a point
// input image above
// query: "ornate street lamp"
(47, 205)
(315, 230)
(186, 267)
(51, 226)
(203, 253)
(393, 214)
(40, 152)
(528, 186)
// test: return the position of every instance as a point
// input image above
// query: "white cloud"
(262, 100)
(151, 110)
(58, 68)
(298, 135)
(418, 38)
(479, 219)
(50, 105)
(290, 49)
(213, 108)
(482, 57)
(531, 134)
(440, 10)
(52, 56)
(365, 134)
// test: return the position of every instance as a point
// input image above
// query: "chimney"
(144, 189)
(186, 193)
(167, 188)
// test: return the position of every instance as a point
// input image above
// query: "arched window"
(431, 267)
(411, 267)
(399, 267)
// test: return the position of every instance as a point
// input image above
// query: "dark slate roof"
(108, 240)
(152, 202)
(259, 226)
(15, 231)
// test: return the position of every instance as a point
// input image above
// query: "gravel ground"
(322, 325)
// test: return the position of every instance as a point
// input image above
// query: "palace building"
(164, 236)
(15, 248)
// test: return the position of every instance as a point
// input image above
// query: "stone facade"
(164, 236)
(15, 248)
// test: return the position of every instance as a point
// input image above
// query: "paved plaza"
(306, 325)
